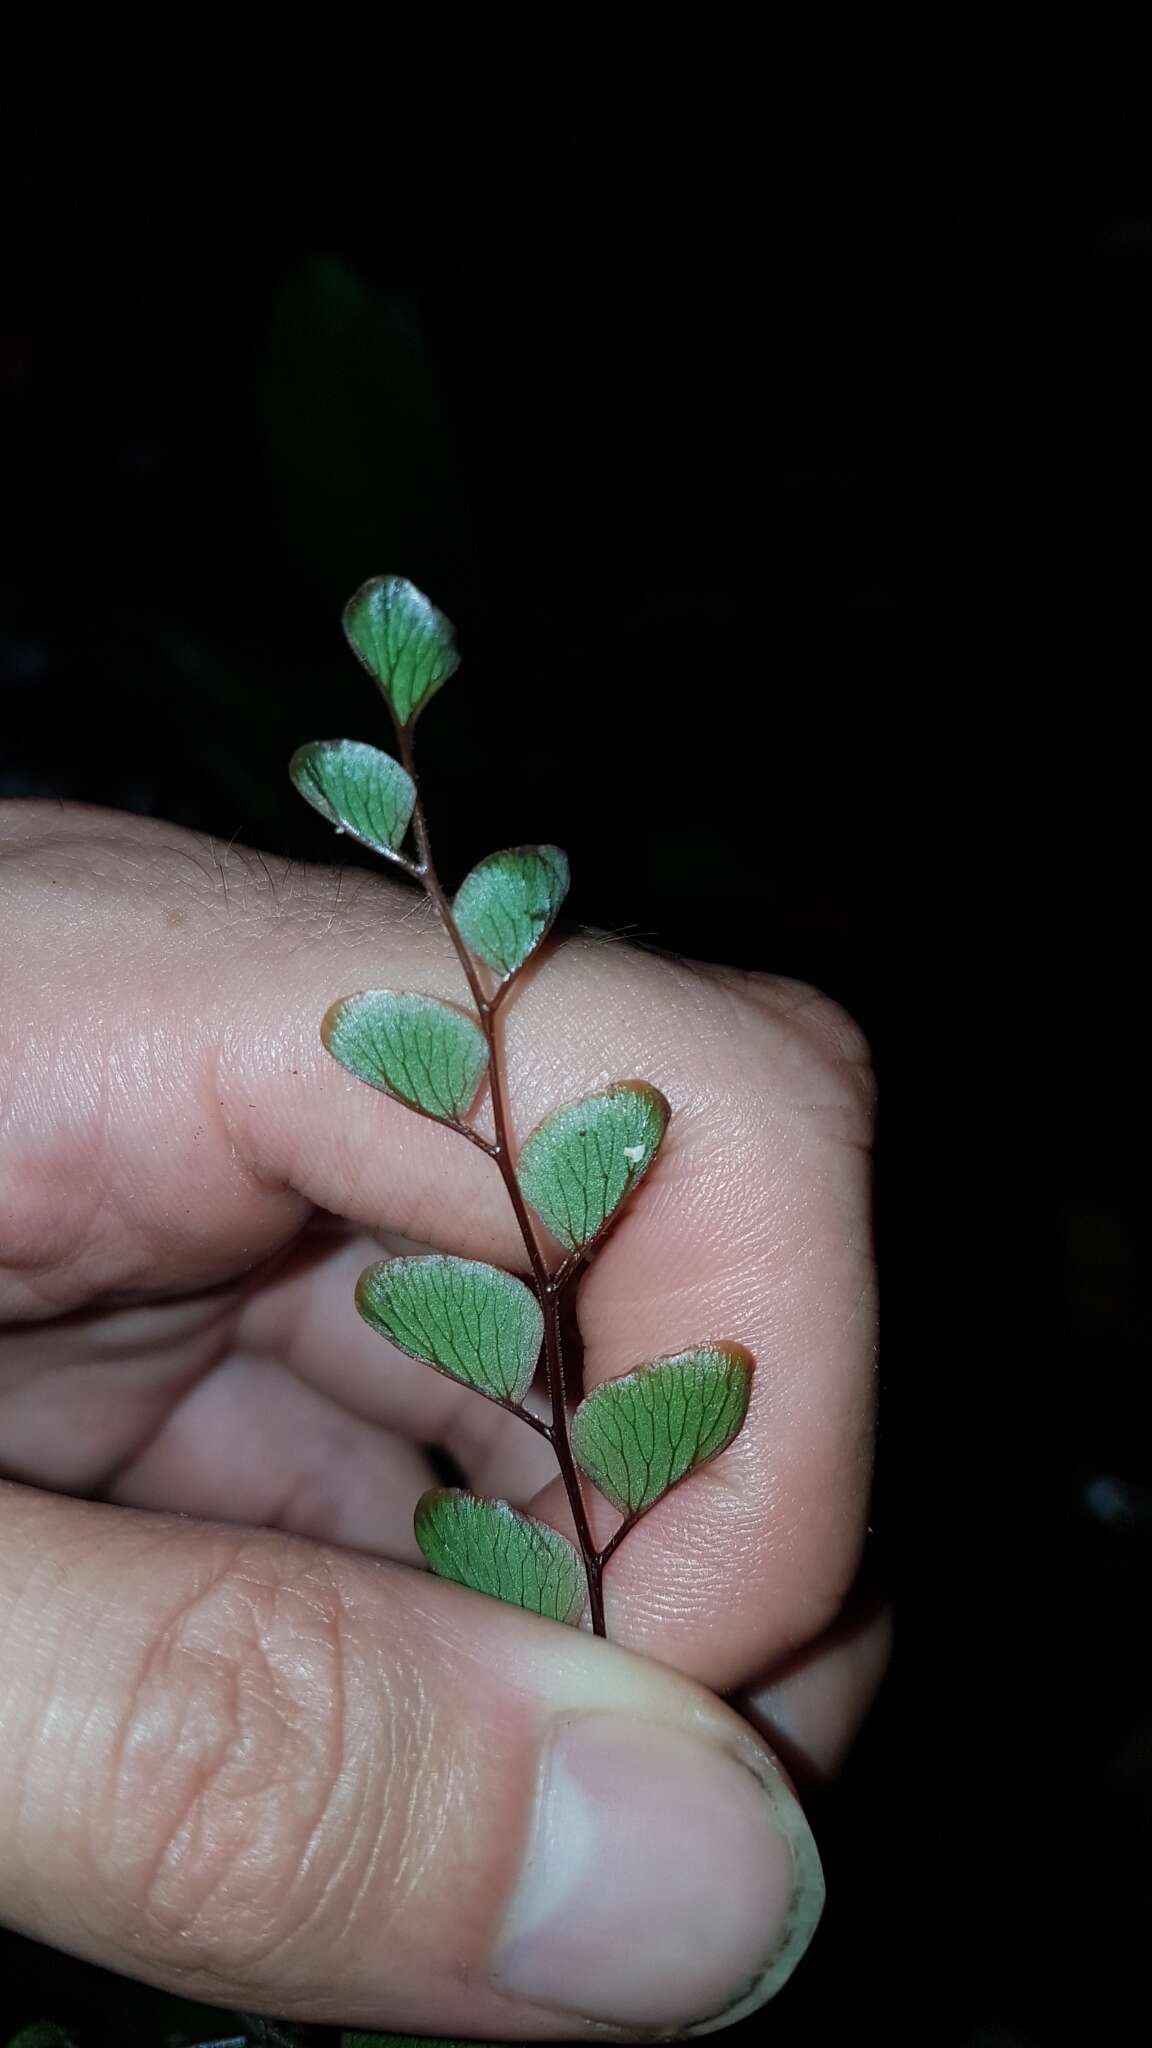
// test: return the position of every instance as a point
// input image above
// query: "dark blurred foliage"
(799, 552)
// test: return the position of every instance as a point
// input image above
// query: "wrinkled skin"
(189, 1188)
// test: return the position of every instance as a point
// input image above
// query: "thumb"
(306, 1783)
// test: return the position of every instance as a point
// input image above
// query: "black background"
(798, 547)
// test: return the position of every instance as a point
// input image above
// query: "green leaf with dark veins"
(509, 902)
(581, 1162)
(41, 2034)
(358, 789)
(426, 1053)
(357, 2040)
(403, 641)
(494, 1549)
(636, 1436)
(471, 1321)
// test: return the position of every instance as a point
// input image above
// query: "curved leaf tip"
(583, 1161)
(494, 1549)
(407, 646)
(424, 1052)
(509, 902)
(637, 1436)
(359, 789)
(473, 1322)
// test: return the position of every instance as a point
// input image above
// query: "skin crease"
(189, 1188)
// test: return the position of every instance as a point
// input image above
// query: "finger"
(251, 1443)
(753, 1224)
(812, 1711)
(80, 1394)
(297, 1781)
(304, 1311)
(158, 1405)
(306, 1316)
(312, 1425)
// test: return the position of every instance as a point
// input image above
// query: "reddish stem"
(549, 1287)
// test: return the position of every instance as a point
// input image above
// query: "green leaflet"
(357, 788)
(403, 641)
(509, 901)
(41, 2034)
(636, 1436)
(580, 1163)
(494, 1549)
(426, 1053)
(471, 1321)
(356, 2040)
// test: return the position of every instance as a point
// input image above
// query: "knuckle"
(236, 1789)
(817, 1050)
(802, 1007)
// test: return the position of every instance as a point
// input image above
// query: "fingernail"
(669, 1884)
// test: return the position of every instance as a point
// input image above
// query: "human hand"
(246, 1751)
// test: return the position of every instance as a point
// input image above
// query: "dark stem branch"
(476, 1138)
(567, 1270)
(548, 1289)
(426, 873)
(543, 1429)
(614, 1542)
(398, 860)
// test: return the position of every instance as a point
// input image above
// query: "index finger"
(753, 1226)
